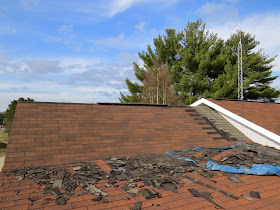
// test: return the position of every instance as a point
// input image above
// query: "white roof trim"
(241, 120)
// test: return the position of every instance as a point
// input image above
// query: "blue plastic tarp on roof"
(256, 169)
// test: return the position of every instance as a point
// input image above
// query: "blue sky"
(82, 51)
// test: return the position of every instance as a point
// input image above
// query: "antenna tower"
(240, 66)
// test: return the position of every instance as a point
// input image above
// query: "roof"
(220, 122)
(55, 143)
(261, 118)
(266, 115)
(44, 133)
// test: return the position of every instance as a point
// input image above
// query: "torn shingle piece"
(194, 192)
(57, 183)
(77, 168)
(234, 179)
(247, 198)
(94, 190)
(148, 193)
(137, 206)
(56, 192)
(98, 198)
(33, 199)
(222, 154)
(60, 174)
(103, 165)
(61, 200)
(255, 194)
(189, 181)
(170, 187)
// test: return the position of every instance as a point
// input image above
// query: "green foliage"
(10, 112)
(256, 72)
(203, 65)
(199, 63)
(2, 116)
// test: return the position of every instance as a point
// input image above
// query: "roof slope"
(44, 133)
(266, 115)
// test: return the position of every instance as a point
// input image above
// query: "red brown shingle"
(266, 115)
(60, 134)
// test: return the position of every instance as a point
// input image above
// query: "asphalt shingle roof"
(266, 115)
(62, 136)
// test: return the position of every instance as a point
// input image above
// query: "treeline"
(182, 67)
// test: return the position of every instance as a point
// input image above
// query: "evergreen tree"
(202, 65)
(256, 72)
(199, 62)
(164, 52)
(134, 88)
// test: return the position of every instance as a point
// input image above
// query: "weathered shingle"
(57, 136)
(266, 115)
(45, 133)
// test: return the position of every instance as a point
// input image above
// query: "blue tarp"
(256, 169)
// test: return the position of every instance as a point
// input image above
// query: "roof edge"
(239, 119)
(102, 103)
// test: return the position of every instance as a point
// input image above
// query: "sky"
(82, 51)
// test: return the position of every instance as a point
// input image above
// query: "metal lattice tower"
(240, 70)
(240, 65)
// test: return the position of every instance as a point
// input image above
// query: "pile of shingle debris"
(240, 155)
(159, 171)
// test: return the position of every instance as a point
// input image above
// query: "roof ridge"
(224, 99)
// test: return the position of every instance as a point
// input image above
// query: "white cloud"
(3, 11)
(64, 29)
(7, 29)
(111, 40)
(77, 48)
(118, 6)
(141, 26)
(212, 7)
(52, 39)
(263, 26)
(91, 50)
(28, 4)
(56, 93)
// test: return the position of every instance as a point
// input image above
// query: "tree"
(134, 88)
(256, 72)
(158, 85)
(2, 116)
(202, 65)
(10, 112)
(199, 62)
(164, 53)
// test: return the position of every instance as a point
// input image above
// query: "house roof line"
(248, 100)
(105, 103)
(251, 125)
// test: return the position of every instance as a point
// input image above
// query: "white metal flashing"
(258, 129)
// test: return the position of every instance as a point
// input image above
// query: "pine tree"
(196, 64)
(134, 88)
(164, 52)
(256, 72)
(199, 62)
